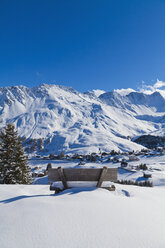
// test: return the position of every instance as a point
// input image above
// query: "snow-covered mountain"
(63, 119)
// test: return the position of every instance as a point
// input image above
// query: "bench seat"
(61, 179)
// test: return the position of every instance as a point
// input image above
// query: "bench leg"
(112, 188)
(57, 190)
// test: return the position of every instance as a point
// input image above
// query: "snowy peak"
(124, 92)
(112, 99)
(97, 93)
(69, 121)
(154, 99)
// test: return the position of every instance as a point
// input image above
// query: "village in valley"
(136, 168)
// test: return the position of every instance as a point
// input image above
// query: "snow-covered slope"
(69, 121)
(32, 217)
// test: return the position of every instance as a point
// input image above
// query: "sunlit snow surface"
(32, 217)
(132, 216)
(76, 122)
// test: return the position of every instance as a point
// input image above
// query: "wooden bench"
(98, 175)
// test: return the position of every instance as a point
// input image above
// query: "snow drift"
(89, 217)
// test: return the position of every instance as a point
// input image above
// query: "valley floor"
(33, 217)
(155, 165)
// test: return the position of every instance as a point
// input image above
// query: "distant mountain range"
(54, 118)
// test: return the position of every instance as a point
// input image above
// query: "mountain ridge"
(71, 121)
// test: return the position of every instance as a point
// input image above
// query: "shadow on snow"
(65, 192)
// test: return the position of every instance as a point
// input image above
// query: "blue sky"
(85, 44)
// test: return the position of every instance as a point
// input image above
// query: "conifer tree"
(13, 162)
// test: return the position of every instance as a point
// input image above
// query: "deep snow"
(32, 217)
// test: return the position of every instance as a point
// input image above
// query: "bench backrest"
(82, 174)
